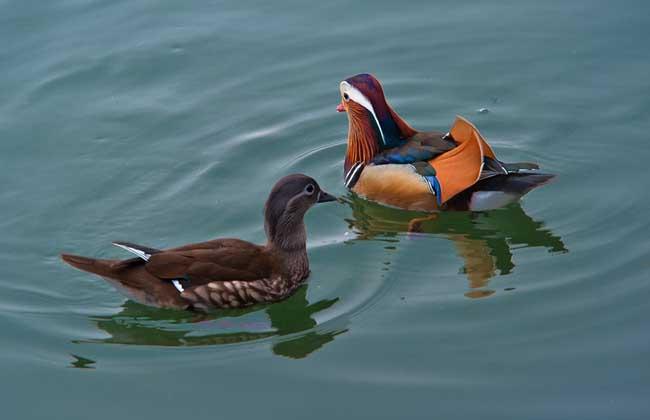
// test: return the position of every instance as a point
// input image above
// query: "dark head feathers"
(394, 128)
(366, 83)
(289, 199)
(371, 89)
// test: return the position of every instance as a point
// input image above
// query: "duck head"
(373, 125)
(285, 208)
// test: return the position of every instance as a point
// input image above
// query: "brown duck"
(222, 273)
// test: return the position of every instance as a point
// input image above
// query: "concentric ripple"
(165, 123)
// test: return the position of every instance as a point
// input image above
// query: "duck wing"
(206, 262)
(421, 147)
(449, 163)
(452, 162)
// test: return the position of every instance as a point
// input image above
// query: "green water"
(168, 122)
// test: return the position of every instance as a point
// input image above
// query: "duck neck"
(394, 129)
(289, 242)
(370, 133)
(363, 138)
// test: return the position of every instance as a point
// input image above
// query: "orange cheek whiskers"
(362, 140)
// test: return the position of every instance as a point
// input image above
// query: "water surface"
(165, 123)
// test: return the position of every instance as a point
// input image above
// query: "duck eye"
(309, 189)
(346, 96)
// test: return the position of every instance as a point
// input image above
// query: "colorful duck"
(389, 162)
(222, 273)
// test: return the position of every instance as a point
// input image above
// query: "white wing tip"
(135, 251)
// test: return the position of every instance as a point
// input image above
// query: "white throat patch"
(358, 97)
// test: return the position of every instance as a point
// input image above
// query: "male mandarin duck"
(389, 162)
(222, 273)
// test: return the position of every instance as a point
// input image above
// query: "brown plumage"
(222, 273)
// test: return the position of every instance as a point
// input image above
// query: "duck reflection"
(292, 325)
(483, 240)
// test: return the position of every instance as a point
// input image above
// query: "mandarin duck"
(389, 162)
(221, 273)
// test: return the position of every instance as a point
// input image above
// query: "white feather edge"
(140, 253)
(135, 251)
(352, 173)
(177, 284)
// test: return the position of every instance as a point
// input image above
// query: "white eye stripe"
(358, 97)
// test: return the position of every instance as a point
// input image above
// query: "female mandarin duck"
(389, 162)
(222, 273)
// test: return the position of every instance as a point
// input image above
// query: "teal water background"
(165, 122)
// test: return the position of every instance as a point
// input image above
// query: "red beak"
(340, 107)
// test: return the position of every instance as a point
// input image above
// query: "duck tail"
(494, 167)
(91, 265)
(524, 182)
(515, 183)
(519, 166)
